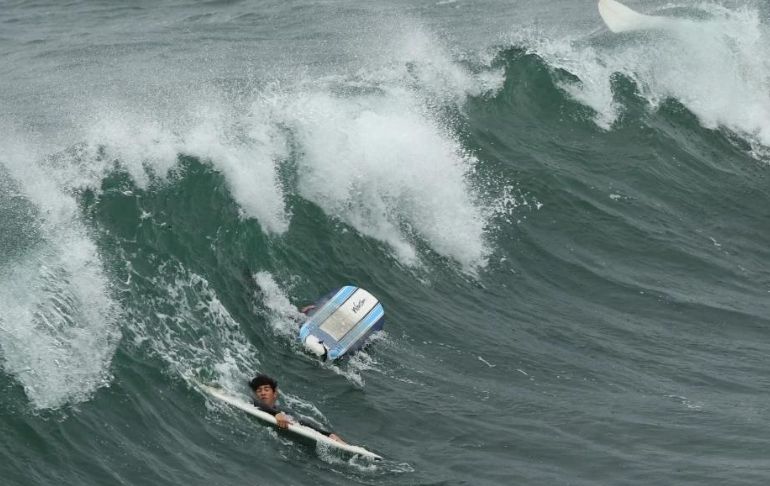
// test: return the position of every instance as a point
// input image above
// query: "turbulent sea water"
(569, 230)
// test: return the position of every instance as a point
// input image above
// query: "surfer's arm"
(308, 309)
(320, 430)
(331, 435)
(282, 418)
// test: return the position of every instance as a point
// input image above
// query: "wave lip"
(384, 167)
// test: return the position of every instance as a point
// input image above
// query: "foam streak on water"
(187, 326)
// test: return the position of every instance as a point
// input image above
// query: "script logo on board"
(357, 306)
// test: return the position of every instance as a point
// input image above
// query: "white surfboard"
(620, 18)
(298, 429)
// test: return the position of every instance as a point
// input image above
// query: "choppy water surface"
(568, 229)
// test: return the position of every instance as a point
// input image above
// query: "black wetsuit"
(274, 411)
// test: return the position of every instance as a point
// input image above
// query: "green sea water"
(568, 230)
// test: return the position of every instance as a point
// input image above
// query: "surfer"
(265, 391)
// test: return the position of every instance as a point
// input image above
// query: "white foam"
(376, 153)
(281, 314)
(383, 165)
(402, 52)
(418, 56)
(585, 62)
(138, 143)
(59, 325)
(718, 68)
(246, 149)
(371, 147)
(186, 325)
(354, 367)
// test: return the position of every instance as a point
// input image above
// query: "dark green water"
(568, 230)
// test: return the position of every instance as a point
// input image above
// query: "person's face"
(266, 394)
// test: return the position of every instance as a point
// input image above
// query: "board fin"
(620, 18)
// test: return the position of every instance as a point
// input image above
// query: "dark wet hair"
(260, 380)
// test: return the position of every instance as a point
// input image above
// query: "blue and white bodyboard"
(341, 324)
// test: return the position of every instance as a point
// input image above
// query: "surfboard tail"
(620, 18)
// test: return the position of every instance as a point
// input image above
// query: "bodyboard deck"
(344, 321)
